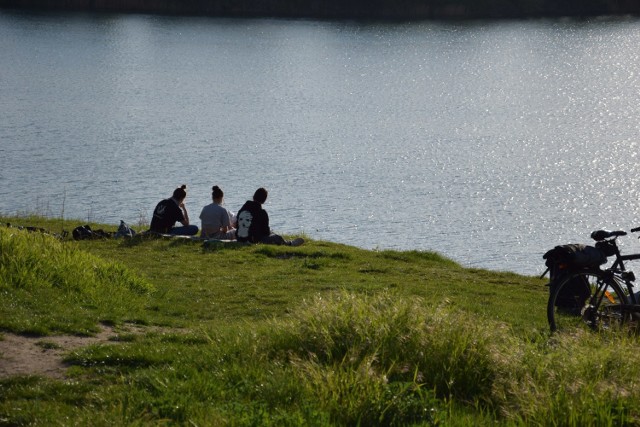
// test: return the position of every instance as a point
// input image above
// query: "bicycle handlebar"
(633, 230)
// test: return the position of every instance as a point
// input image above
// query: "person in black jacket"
(253, 223)
(172, 210)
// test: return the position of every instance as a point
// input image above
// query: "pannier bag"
(566, 259)
(573, 296)
(573, 257)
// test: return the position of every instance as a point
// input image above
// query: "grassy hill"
(322, 334)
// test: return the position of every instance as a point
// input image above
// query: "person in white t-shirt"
(217, 221)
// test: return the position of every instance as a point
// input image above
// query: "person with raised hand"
(172, 210)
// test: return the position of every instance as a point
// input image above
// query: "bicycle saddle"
(605, 234)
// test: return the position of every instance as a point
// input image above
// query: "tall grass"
(46, 283)
(580, 379)
(384, 360)
(380, 360)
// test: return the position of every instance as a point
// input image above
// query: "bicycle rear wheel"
(586, 299)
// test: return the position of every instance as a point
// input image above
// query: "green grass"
(322, 334)
(52, 286)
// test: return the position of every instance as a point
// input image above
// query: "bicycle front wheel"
(586, 299)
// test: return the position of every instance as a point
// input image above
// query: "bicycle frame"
(620, 273)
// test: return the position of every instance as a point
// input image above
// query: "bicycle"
(609, 301)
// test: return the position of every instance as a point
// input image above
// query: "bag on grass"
(124, 230)
(85, 232)
(82, 232)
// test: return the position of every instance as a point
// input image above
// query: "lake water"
(489, 142)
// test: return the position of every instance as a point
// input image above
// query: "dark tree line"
(355, 9)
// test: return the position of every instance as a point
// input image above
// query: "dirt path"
(20, 355)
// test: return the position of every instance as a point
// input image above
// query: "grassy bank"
(322, 334)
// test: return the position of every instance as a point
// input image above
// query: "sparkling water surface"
(487, 141)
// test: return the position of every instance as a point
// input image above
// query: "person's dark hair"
(216, 192)
(260, 196)
(180, 193)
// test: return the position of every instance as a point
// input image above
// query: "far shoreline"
(390, 10)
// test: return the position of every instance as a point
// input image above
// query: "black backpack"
(84, 232)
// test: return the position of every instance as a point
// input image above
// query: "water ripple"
(489, 142)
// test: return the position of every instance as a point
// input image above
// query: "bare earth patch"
(22, 355)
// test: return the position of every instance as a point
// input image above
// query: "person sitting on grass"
(172, 210)
(253, 223)
(216, 220)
